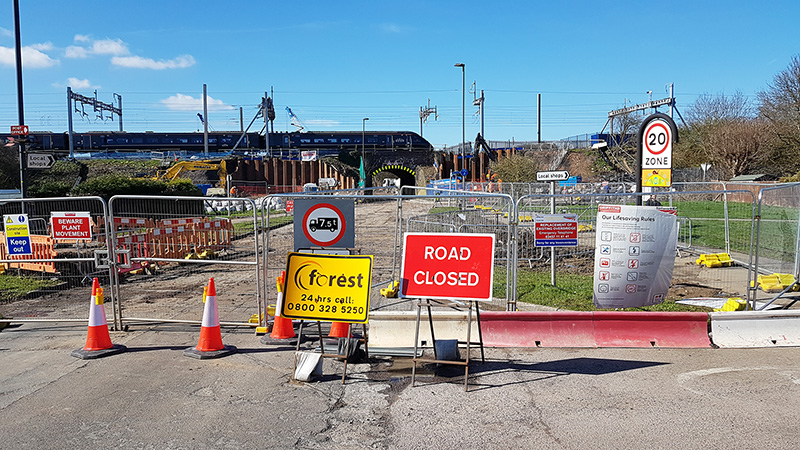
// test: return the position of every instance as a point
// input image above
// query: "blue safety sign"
(18, 235)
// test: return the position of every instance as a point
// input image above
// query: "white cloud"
(110, 47)
(181, 102)
(32, 56)
(76, 52)
(44, 46)
(138, 62)
(5, 32)
(76, 83)
(390, 28)
(116, 47)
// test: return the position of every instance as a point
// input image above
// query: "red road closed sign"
(71, 225)
(448, 266)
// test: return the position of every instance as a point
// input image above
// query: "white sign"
(308, 155)
(40, 160)
(18, 234)
(657, 145)
(634, 255)
(560, 175)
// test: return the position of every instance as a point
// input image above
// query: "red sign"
(289, 206)
(71, 225)
(448, 266)
(19, 130)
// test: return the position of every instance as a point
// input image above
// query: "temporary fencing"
(184, 241)
(55, 278)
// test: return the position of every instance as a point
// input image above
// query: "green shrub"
(49, 189)
(107, 186)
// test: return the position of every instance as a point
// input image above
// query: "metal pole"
(553, 248)
(205, 120)
(20, 104)
(539, 118)
(266, 124)
(119, 101)
(363, 139)
(241, 120)
(671, 97)
(69, 121)
(463, 110)
(482, 133)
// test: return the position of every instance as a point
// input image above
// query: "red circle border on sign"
(666, 128)
(341, 220)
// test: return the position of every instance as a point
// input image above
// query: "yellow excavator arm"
(178, 168)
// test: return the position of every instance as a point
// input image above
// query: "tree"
(516, 168)
(725, 132)
(780, 105)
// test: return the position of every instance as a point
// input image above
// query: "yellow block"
(776, 282)
(733, 304)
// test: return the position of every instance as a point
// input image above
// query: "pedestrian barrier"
(746, 329)
(42, 247)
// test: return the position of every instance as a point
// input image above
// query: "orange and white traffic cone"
(282, 327)
(98, 340)
(340, 330)
(210, 344)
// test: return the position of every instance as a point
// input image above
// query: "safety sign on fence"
(329, 288)
(456, 266)
(71, 225)
(555, 230)
(328, 223)
(18, 234)
(634, 255)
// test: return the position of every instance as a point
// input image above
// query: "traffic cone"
(98, 340)
(282, 328)
(339, 330)
(210, 344)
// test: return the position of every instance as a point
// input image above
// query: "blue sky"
(335, 63)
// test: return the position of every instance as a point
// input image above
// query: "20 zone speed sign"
(657, 145)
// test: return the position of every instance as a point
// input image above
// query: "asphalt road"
(154, 397)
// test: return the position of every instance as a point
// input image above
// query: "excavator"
(183, 166)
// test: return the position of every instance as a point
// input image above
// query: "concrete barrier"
(537, 329)
(743, 329)
(548, 329)
(396, 328)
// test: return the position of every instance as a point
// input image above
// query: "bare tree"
(737, 147)
(711, 109)
(780, 104)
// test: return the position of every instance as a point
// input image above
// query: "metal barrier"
(777, 240)
(706, 225)
(176, 244)
(381, 215)
(53, 283)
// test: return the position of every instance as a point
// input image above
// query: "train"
(221, 142)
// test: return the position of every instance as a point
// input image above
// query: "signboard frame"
(454, 267)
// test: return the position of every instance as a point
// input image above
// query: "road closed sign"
(448, 266)
(324, 223)
(329, 288)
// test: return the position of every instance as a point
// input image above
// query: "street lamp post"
(463, 120)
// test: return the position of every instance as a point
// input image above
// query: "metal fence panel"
(709, 222)
(169, 247)
(54, 282)
(381, 216)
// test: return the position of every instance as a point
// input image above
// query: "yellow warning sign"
(16, 225)
(657, 177)
(329, 288)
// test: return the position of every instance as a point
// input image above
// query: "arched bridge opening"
(393, 175)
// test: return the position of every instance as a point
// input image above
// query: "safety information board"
(634, 255)
(328, 288)
(71, 225)
(18, 234)
(555, 230)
